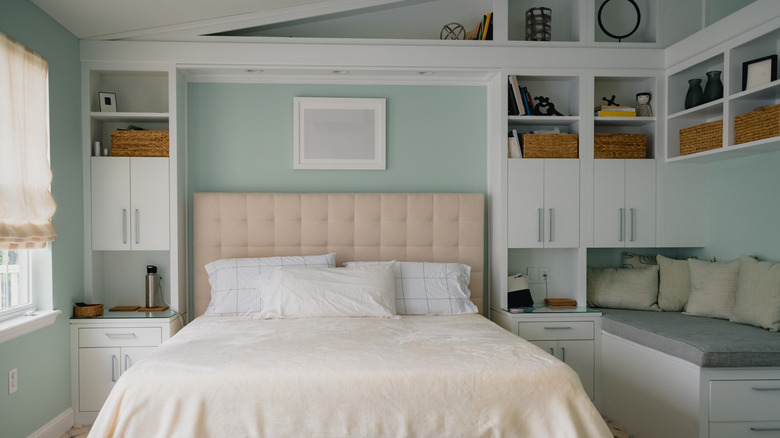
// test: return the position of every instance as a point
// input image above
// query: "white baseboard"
(56, 427)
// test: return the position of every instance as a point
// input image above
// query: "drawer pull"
(120, 335)
(558, 328)
(765, 389)
(765, 429)
(114, 360)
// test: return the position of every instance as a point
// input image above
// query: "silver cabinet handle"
(765, 389)
(558, 328)
(563, 354)
(552, 351)
(541, 223)
(632, 210)
(114, 361)
(136, 226)
(120, 335)
(765, 429)
(124, 226)
(620, 221)
(127, 362)
(551, 224)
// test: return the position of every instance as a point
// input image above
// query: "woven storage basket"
(763, 122)
(88, 311)
(701, 137)
(620, 146)
(139, 143)
(550, 146)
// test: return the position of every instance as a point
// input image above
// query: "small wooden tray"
(153, 309)
(124, 308)
(559, 302)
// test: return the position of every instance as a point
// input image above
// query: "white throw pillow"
(713, 288)
(427, 288)
(323, 292)
(234, 282)
(758, 294)
(674, 285)
(628, 288)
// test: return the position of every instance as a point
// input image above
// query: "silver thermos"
(152, 284)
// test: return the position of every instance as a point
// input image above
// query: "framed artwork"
(338, 133)
(759, 72)
(107, 102)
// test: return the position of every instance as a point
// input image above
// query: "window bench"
(665, 374)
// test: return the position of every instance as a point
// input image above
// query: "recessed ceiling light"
(254, 70)
(424, 73)
(340, 72)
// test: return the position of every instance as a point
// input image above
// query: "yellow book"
(615, 114)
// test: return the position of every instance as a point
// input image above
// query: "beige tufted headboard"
(425, 227)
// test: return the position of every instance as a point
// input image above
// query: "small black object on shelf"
(620, 37)
(545, 107)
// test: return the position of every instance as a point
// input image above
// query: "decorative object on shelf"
(107, 102)
(81, 310)
(626, 35)
(545, 107)
(538, 24)
(695, 95)
(714, 88)
(518, 293)
(139, 143)
(643, 108)
(763, 122)
(611, 145)
(550, 145)
(96, 149)
(452, 31)
(759, 72)
(610, 102)
(700, 138)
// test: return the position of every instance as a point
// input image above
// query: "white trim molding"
(27, 323)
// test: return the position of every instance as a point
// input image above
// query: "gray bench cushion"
(706, 342)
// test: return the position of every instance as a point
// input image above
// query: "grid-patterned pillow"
(234, 282)
(425, 288)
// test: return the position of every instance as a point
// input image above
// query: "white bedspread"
(415, 376)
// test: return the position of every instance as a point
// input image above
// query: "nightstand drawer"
(555, 330)
(745, 429)
(120, 337)
(745, 400)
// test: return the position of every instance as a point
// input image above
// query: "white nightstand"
(571, 335)
(102, 348)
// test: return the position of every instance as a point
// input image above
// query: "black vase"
(695, 95)
(714, 88)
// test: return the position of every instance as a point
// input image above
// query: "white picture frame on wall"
(339, 133)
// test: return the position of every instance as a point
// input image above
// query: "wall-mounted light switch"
(12, 381)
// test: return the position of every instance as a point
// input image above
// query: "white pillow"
(758, 294)
(426, 288)
(324, 292)
(234, 281)
(713, 288)
(674, 285)
(627, 288)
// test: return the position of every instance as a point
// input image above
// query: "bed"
(451, 374)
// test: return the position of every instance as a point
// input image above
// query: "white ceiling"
(189, 19)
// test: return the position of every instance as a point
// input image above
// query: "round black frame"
(620, 37)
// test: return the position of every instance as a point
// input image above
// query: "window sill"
(21, 325)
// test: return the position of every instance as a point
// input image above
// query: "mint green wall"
(718, 9)
(743, 207)
(240, 139)
(43, 357)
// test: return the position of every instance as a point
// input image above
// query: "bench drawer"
(120, 337)
(745, 430)
(745, 400)
(555, 330)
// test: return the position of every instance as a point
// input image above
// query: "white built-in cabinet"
(543, 203)
(130, 203)
(624, 197)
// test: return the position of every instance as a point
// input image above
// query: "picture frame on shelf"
(759, 72)
(339, 133)
(107, 102)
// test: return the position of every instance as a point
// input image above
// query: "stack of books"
(483, 30)
(614, 111)
(520, 101)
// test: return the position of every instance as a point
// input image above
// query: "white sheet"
(417, 376)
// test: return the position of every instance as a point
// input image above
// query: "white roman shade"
(26, 204)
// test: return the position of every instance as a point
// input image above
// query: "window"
(15, 282)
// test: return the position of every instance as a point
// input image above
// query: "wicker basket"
(763, 122)
(550, 146)
(139, 143)
(620, 146)
(701, 138)
(88, 311)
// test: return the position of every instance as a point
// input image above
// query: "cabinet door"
(110, 185)
(149, 203)
(561, 203)
(131, 355)
(609, 182)
(548, 346)
(580, 356)
(640, 203)
(525, 203)
(98, 370)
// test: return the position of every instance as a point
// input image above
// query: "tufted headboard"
(424, 227)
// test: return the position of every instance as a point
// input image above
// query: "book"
(524, 96)
(615, 114)
(511, 101)
(614, 108)
(487, 34)
(516, 91)
(515, 150)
